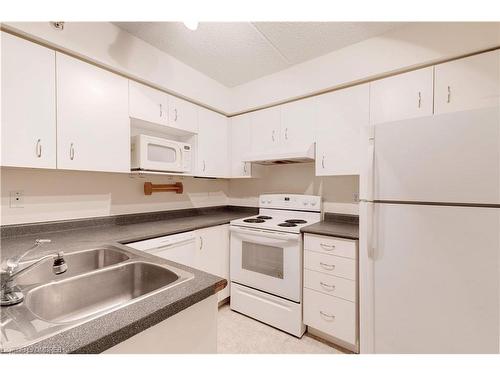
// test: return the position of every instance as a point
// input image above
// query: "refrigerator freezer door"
(436, 279)
(452, 158)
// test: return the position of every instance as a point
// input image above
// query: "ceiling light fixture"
(191, 25)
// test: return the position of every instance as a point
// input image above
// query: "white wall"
(106, 44)
(337, 192)
(59, 195)
(408, 47)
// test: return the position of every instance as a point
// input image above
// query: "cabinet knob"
(272, 135)
(323, 161)
(71, 151)
(286, 133)
(245, 167)
(175, 114)
(161, 110)
(419, 99)
(327, 316)
(448, 99)
(38, 148)
(204, 166)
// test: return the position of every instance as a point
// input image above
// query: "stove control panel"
(291, 202)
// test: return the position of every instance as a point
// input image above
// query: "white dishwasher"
(178, 248)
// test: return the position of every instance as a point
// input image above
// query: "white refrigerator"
(430, 235)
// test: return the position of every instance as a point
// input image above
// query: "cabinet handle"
(272, 136)
(323, 161)
(204, 166)
(327, 286)
(245, 167)
(327, 316)
(327, 246)
(326, 266)
(175, 114)
(286, 133)
(161, 110)
(71, 151)
(448, 100)
(419, 99)
(38, 148)
(201, 242)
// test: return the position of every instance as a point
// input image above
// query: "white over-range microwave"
(160, 154)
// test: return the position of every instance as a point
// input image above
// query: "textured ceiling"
(233, 53)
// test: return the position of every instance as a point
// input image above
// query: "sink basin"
(78, 262)
(79, 297)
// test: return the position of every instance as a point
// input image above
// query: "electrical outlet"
(17, 199)
(355, 196)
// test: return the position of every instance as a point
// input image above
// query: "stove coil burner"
(288, 225)
(296, 221)
(264, 217)
(254, 221)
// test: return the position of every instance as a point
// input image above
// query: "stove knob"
(313, 203)
(268, 202)
(305, 203)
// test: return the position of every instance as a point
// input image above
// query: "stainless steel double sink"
(97, 282)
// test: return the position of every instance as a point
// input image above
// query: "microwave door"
(162, 157)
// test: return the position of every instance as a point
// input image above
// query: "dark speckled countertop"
(108, 330)
(336, 225)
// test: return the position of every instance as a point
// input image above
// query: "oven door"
(161, 155)
(267, 260)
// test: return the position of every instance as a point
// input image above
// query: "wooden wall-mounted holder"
(150, 188)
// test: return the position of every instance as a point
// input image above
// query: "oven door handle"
(265, 233)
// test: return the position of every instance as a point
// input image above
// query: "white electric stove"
(266, 260)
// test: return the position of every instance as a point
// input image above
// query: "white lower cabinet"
(93, 128)
(212, 253)
(331, 289)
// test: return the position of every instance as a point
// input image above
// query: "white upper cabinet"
(403, 96)
(342, 115)
(93, 127)
(182, 115)
(28, 104)
(298, 123)
(239, 144)
(266, 128)
(467, 83)
(213, 156)
(147, 104)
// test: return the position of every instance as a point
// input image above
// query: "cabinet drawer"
(330, 264)
(331, 315)
(334, 286)
(330, 245)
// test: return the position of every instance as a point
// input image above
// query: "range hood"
(292, 157)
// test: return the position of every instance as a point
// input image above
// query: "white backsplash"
(59, 195)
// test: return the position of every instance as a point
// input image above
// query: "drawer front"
(331, 245)
(330, 264)
(334, 286)
(331, 315)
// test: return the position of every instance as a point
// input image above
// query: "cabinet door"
(182, 114)
(147, 104)
(467, 83)
(298, 124)
(239, 145)
(93, 128)
(212, 253)
(213, 153)
(265, 125)
(28, 104)
(341, 116)
(404, 96)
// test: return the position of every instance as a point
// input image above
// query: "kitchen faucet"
(10, 293)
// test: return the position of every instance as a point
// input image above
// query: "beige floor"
(239, 334)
